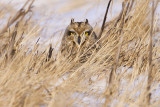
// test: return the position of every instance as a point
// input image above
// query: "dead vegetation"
(124, 72)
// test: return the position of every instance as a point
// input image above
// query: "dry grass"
(116, 75)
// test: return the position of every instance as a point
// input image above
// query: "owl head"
(78, 32)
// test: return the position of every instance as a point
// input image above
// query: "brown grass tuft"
(116, 75)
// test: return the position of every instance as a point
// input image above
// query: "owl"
(78, 40)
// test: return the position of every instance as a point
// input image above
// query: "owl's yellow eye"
(86, 33)
(72, 33)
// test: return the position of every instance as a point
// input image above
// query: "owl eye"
(87, 33)
(71, 33)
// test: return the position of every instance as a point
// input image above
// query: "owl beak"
(79, 40)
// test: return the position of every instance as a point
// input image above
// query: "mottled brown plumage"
(78, 40)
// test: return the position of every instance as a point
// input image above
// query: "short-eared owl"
(78, 40)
